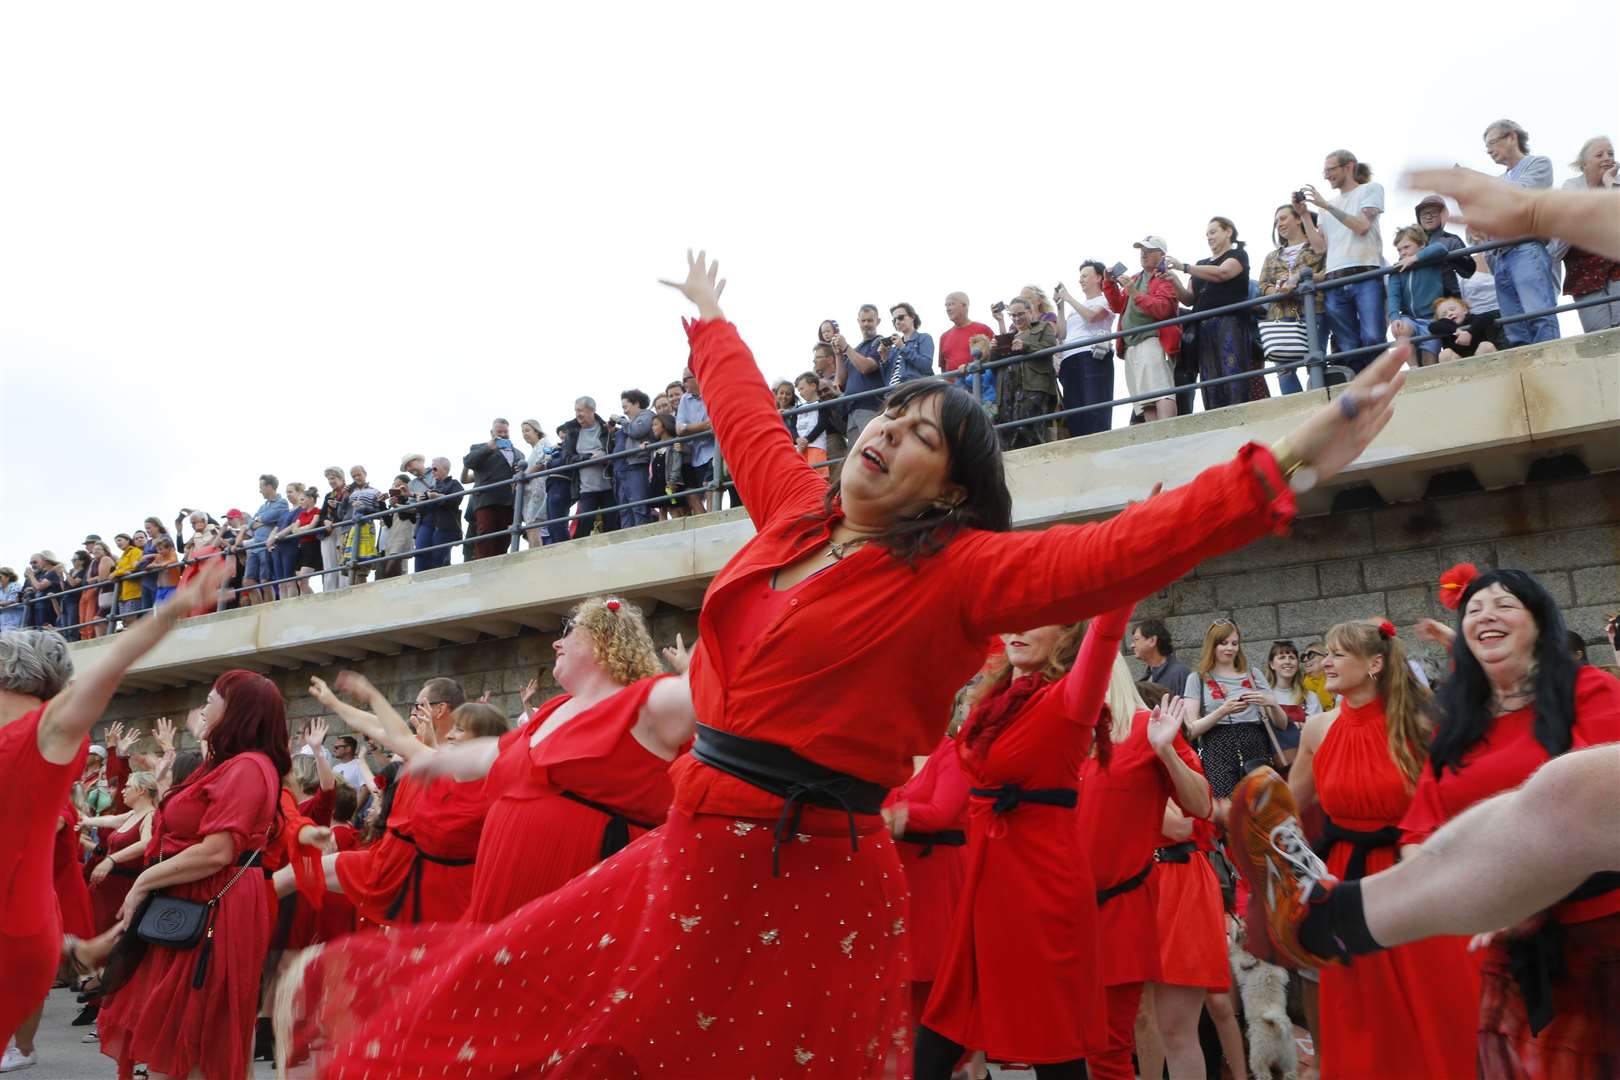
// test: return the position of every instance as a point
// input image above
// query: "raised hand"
(423, 727)
(127, 738)
(321, 692)
(531, 688)
(201, 590)
(703, 285)
(678, 656)
(1488, 204)
(1336, 434)
(352, 684)
(164, 732)
(115, 732)
(1436, 631)
(1168, 719)
(315, 735)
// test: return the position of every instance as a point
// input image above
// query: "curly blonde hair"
(620, 639)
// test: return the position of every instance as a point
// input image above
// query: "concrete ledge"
(1492, 415)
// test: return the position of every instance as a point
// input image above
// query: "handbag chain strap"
(253, 861)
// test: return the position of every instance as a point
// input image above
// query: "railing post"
(519, 497)
(1315, 369)
(719, 479)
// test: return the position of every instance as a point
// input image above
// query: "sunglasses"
(1313, 655)
(566, 628)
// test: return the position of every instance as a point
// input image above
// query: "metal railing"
(1320, 368)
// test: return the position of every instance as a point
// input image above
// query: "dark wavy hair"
(975, 453)
(1465, 699)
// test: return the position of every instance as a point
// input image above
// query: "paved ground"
(62, 1056)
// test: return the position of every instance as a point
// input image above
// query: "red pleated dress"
(1192, 917)
(936, 802)
(107, 898)
(157, 1019)
(1407, 1011)
(1583, 1039)
(30, 924)
(536, 838)
(694, 951)
(441, 822)
(72, 894)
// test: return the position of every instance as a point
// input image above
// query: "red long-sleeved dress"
(1583, 1038)
(936, 802)
(72, 894)
(683, 953)
(421, 869)
(30, 924)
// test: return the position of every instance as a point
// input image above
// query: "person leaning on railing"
(1148, 297)
(1283, 335)
(443, 516)
(1418, 281)
(1526, 279)
(1586, 273)
(1030, 388)
(1223, 344)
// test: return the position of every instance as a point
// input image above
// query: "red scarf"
(991, 715)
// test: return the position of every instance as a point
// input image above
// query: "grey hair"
(1586, 148)
(443, 459)
(146, 781)
(34, 662)
(587, 401)
(1517, 131)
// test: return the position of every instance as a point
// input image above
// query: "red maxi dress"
(157, 1018)
(684, 954)
(558, 807)
(72, 894)
(1192, 916)
(30, 924)
(1583, 1039)
(1403, 1011)
(421, 869)
(931, 852)
(107, 898)
(1121, 813)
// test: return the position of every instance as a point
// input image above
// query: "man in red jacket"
(1149, 297)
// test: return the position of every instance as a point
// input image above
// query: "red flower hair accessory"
(1455, 582)
(612, 605)
(1386, 630)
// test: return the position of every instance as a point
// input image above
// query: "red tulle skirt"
(1583, 1040)
(1192, 926)
(682, 955)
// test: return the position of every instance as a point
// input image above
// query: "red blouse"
(836, 655)
(1505, 758)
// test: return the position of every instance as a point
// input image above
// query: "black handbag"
(174, 923)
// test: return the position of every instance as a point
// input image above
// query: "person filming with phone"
(492, 462)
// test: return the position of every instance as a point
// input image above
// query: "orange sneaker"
(1274, 855)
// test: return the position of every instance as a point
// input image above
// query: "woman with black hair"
(1223, 344)
(1515, 700)
(762, 929)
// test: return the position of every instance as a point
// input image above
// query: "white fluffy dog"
(1263, 988)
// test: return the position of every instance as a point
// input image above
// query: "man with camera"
(491, 463)
(860, 371)
(1348, 231)
(909, 353)
(442, 519)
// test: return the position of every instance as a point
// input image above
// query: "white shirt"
(1345, 248)
(1092, 318)
(351, 774)
(1479, 291)
(805, 423)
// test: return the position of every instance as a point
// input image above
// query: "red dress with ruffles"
(157, 1018)
(1404, 1011)
(936, 802)
(1192, 917)
(441, 822)
(72, 894)
(30, 924)
(1583, 1039)
(107, 898)
(684, 954)
(535, 837)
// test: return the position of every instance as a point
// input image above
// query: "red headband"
(1455, 582)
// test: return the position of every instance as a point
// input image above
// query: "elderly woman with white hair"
(44, 736)
(1587, 274)
(533, 501)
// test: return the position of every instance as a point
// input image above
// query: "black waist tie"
(1176, 853)
(928, 841)
(1361, 843)
(413, 878)
(1537, 960)
(1121, 888)
(1009, 797)
(616, 833)
(795, 780)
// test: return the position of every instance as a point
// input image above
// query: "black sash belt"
(413, 878)
(1176, 853)
(795, 780)
(616, 834)
(1537, 960)
(928, 841)
(1010, 796)
(119, 870)
(1361, 843)
(1133, 882)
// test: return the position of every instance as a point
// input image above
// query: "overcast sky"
(239, 239)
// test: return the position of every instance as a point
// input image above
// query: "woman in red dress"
(72, 894)
(761, 930)
(927, 816)
(44, 737)
(1121, 812)
(587, 773)
(1515, 700)
(209, 835)
(1408, 1010)
(126, 838)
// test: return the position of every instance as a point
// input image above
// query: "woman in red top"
(1408, 1010)
(208, 837)
(927, 815)
(757, 931)
(44, 737)
(588, 772)
(72, 895)
(126, 836)
(1515, 700)
(1121, 811)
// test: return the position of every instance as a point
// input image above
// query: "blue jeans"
(285, 560)
(1288, 382)
(559, 497)
(1355, 314)
(591, 503)
(1525, 282)
(259, 566)
(634, 486)
(1087, 380)
(424, 538)
(432, 560)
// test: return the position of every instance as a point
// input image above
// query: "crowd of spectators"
(655, 458)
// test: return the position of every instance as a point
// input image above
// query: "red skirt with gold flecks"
(682, 955)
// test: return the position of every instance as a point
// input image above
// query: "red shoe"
(1274, 855)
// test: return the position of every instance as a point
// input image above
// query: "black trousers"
(935, 1056)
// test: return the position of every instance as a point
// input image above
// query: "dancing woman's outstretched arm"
(1087, 680)
(390, 736)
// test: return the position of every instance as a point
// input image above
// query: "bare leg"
(1484, 348)
(1535, 845)
(1178, 1009)
(28, 1029)
(1149, 1045)
(1226, 1026)
(1308, 991)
